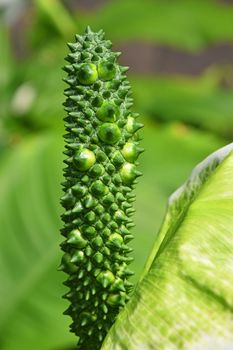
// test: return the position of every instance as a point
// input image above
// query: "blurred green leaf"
(6, 62)
(47, 108)
(58, 15)
(189, 24)
(6, 72)
(199, 101)
(42, 75)
(185, 299)
(31, 288)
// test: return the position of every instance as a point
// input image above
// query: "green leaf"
(31, 287)
(6, 62)
(58, 15)
(185, 297)
(45, 109)
(199, 101)
(189, 24)
(6, 74)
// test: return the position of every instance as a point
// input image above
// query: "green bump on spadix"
(119, 216)
(116, 240)
(75, 238)
(117, 158)
(98, 188)
(108, 112)
(108, 199)
(79, 190)
(90, 217)
(67, 265)
(109, 133)
(78, 257)
(97, 170)
(84, 159)
(119, 285)
(130, 152)
(97, 101)
(129, 173)
(132, 125)
(87, 73)
(98, 242)
(106, 278)
(86, 318)
(78, 208)
(89, 231)
(98, 257)
(115, 300)
(106, 70)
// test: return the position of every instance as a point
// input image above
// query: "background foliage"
(186, 117)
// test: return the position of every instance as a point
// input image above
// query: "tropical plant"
(186, 116)
(182, 283)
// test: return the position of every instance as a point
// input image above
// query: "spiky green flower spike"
(102, 150)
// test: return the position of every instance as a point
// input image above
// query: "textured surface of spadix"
(185, 297)
(102, 151)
